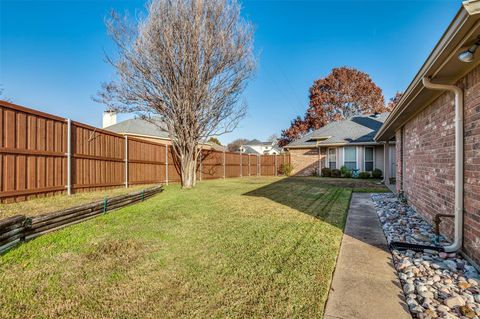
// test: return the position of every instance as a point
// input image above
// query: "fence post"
(126, 161)
(201, 170)
(166, 164)
(224, 170)
(275, 164)
(283, 161)
(69, 156)
(259, 168)
(248, 164)
(241, 167)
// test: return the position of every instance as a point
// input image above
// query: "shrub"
(344, 170)
(336, 173)
(315, 173)
(287, 169)
(326, 172)
(364, 175)
(348, 174)
(377, 173)
(393, 180)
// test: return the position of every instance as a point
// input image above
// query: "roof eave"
(333, 144)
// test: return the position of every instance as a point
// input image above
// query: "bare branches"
(187, 63)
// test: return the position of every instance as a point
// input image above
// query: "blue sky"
(52, 52)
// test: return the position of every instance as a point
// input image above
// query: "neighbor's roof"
(247, 149)
(141, 127)
(442, 66)
(357, 130)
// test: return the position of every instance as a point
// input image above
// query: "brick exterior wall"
(305, 161)
(398, 159)
(429, 159)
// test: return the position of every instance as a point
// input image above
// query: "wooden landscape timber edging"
(43, 154)
(16, 229)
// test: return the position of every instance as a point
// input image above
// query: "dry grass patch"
(42, 205)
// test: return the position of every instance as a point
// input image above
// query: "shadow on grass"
(328, 199)
(324, 198)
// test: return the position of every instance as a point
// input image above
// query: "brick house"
(347, 143)
(438, 157)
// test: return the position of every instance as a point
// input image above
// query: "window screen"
(332, 158)
(351, 157)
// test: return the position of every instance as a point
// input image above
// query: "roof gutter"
(458, 240)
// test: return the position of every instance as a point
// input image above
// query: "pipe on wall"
(458, 240)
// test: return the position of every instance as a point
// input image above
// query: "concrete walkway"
(365, 284)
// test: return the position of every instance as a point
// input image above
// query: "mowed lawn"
(246, 247)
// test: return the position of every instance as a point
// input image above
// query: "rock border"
(436, 285)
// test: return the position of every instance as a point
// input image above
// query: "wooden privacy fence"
(45, 154)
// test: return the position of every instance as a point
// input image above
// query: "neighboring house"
(438, 160)
(136, 127)
(143, 129)
(261, 148)
(347, 143)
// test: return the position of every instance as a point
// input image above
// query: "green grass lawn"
(253, 247)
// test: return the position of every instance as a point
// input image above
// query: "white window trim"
(365, 157)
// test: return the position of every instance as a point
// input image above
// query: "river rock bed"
(436, 285)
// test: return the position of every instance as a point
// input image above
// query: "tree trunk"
(188, 167)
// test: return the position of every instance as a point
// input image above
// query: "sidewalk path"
(365, 284)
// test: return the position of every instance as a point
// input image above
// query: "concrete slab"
(365, 284)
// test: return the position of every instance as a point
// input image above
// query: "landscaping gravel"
(436, 285)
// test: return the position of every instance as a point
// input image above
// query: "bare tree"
(187, 62)
(234, 146)
(3, 97)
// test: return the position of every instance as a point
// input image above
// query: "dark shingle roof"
(358, 129)
(141, 127)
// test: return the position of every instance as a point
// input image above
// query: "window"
(368, 159)
(332, 158)
(350, 157)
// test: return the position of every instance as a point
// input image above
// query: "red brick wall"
(429, 159)
(398, 159)
(304, 161)
(472, 163)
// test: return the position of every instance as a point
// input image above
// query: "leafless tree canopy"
(187, 62)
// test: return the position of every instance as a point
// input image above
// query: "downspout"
(458, 240)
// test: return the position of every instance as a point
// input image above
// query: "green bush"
(348, 174)
(377, 173)
(344, 170)
(336, 173)
(326, 172)
(286, 169)
(315, 173)
(364, 175)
